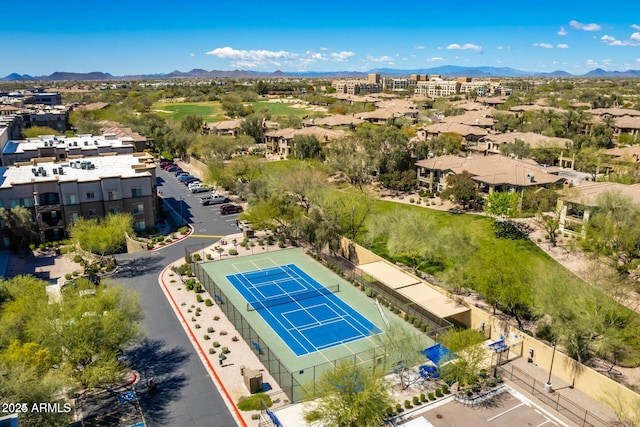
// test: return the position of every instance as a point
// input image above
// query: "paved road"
(186, 395)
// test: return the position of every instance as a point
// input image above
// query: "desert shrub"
(423, 397)
(208, 302)
(438, 392)
(233, 252)
(445, 388)
(199, 298)
(225, 350)
(210, 329)
(253, 402)
(407, 404)
(216, 344)
(432, 397)
(416, 400)
(206, 337)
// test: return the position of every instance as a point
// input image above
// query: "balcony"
(46, 223)
(48, 208)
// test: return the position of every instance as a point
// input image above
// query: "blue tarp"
(438, 354)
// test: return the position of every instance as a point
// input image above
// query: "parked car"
(199, 188)
(171, 168)
(244, 224)
(213, 199)
(180, 172)
(189, 180)
(230, 209)
(181, 178)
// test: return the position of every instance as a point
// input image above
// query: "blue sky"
(133, 37)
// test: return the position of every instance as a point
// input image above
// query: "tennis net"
(293, 297)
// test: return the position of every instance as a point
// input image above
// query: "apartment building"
(58, 193)
(437, 87)
(492, 173)
(61, 148)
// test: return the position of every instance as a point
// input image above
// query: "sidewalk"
(210, 321)
(561, 389)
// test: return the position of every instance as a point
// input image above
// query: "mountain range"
(445, 71)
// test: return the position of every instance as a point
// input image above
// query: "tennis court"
(305, 314)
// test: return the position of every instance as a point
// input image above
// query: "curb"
(225, 394)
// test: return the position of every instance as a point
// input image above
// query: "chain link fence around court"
(293, 384)
(570, 410)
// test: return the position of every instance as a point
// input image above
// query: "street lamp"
(548, 387)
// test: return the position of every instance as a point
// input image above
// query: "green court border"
(218, 270)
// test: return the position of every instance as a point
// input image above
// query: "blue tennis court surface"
(305, 314)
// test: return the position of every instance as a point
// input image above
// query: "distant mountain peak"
(446, 71)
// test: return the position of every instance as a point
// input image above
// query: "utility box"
(248, 232)
(252, 379)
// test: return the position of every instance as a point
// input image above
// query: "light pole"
(548, 387)
(181, 219)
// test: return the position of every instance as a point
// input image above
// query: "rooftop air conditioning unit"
(531, 177)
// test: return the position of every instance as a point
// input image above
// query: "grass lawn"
(528, 254)
(281, 109)
(210, 111)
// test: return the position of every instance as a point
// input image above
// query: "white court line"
(502, 413)
(548, 421)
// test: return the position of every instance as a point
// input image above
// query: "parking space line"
(503, 413)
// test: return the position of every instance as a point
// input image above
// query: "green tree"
(350, 209)
(253, 126)
(461, 188)
(504, 282)
(105, 236)
(232, 105)
(305, 147)
(192, 123)
(348, 396)
(36, 131)
(471, 356)
(612, 230)
(20, 225)
(401, 348)
(518, 149)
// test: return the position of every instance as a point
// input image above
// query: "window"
(27, 202)
(93, 213)
(113, 195)
(138, 208)
(136, 192)
(73, 217)
(91, 195)
(71, 199)
(114, 210)
(139, 225)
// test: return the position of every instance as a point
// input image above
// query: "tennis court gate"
(292, 383)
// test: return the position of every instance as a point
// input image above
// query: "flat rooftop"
(96, 168)
(82, 142)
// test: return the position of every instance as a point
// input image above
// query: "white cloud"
(585, 27)
(250, 55)
(562, 32)
(543, 45)
(634, 40)
(383, 58)
(500, 47)
(466, 46)
(192, 54)
(342, 56)
(591, 63)
(635, 26)
(435, 58)
(419, 47)
(562, 46)
(261, 58)
(638, 60)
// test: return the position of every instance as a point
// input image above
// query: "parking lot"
(504, 410)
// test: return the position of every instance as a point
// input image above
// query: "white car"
(213, 199)
(194, 184)
(201, 188)
(244, 224)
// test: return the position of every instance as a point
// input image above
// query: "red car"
(230, 209)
